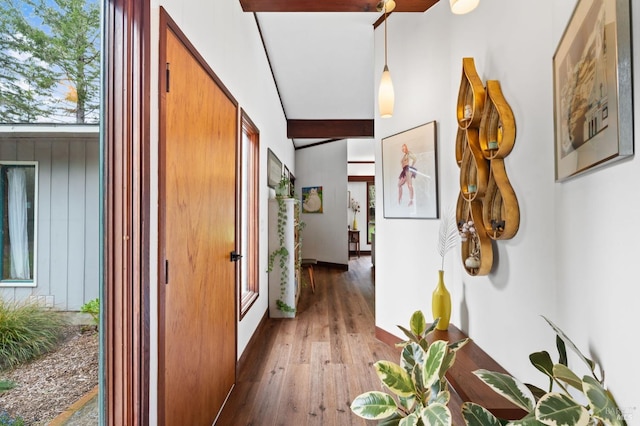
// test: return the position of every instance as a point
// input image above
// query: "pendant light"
(460, 7)
(385, 92)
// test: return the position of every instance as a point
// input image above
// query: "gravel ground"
(50, 384)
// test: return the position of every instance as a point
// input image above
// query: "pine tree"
(49, 60)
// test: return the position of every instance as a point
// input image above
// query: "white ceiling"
(322, 63)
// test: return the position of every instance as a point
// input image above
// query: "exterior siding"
(67, 272)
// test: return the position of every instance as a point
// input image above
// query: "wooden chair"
(308, 264)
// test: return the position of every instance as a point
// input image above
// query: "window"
(18, 188)
(249, 208)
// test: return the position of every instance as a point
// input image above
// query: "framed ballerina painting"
(409, 174)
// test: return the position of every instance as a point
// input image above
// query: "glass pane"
(18, 218)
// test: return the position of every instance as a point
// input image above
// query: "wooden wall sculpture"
(487, 207)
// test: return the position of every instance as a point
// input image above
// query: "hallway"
(307, 370)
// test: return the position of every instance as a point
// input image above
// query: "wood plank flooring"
(307, 370)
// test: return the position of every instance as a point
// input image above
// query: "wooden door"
(197, 226)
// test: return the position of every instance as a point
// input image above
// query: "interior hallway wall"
(574, 255)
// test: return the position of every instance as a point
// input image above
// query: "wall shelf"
(486, 135)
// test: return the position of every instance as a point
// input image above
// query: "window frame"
(34, 281)
(246, 299)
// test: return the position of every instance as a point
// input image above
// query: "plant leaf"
(411, 420)
(557, 409)
(528, 420)
(394, 420)
(536, 391)
(569, 343)
(602, 404)
(417, 323)
(442, 398)
(542, 361)
(373, 405)
(436, 415)
(562, 351)
(457, 345)
(562, 372)
(509, 387)
(411, 355)
(477, 415)
(433, 362)
(407, 333)
(395, 378)
(407, 403)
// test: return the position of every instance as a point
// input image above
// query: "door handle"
(234, 256)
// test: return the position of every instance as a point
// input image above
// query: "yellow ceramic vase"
(441, 303)
(355, 223)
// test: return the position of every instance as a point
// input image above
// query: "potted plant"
(419, 391)
(561, 403)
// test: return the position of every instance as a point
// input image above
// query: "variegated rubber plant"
(557, 405)
(419, 391)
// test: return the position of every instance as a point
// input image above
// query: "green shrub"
(92, 307)
(5, 385)
(27, 330)
(7, 420)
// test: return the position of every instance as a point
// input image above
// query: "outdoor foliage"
(92, 307)
(5, 385)
(7, 420)
(49, 61)
(27, 330)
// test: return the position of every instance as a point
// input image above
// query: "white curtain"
(18, 238)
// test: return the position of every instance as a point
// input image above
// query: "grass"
(27, 330)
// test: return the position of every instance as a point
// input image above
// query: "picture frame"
(274, 169)
(292, 185)
(410, 177)
(592, 88)
(312, 199)
(287, 175)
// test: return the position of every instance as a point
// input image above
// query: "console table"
(354, 238)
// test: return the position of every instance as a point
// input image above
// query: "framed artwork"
(312, 199)
(287, 175)
(409, 174)
(274, 169)
(592, 97)
(292, 185)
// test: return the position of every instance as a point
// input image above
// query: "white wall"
(228, 39)
(325, 235)
(573, 257)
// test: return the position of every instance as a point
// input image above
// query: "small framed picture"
(274, 169)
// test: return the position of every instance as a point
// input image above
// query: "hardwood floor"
(307, 370)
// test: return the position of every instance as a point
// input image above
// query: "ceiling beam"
(329, 129)
(331, 5)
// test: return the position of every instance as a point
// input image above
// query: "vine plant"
(282, 252)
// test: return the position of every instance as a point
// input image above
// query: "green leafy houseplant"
(419, 390)
(558, 405)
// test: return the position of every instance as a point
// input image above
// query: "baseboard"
(385, 337)
(243, 358)
(340, 266)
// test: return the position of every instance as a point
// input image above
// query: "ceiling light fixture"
(386, 96)
(460, 7)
